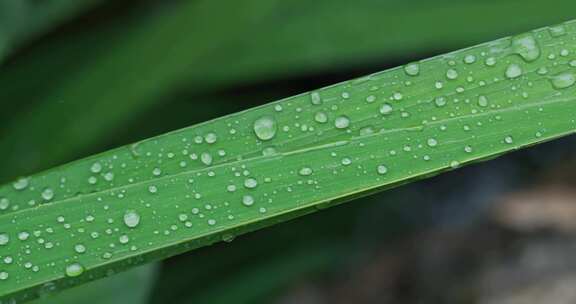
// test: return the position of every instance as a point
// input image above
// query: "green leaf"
(132, 63)
(213, 181)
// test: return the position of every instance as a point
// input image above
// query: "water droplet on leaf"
(265, 128)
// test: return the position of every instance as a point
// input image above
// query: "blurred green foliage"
(168, 64)
(22, 20)
(133, 286)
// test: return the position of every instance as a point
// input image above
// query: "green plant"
(238, 173)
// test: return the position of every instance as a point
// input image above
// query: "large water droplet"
(131, 218)
(385, 109)
(265, 128)
(513, 71)
(482, 101)
(206, 159)
(342, 122)
(74, 270)
(526, 46)
(412, 69)
(20, 184)
(563, 80)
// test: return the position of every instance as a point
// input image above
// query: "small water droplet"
(109, 176)
(454, 164)
(4, 239)
(206, 158)
(557, 31)
(157, 172)
(382, 169)
(79, 248)
(346, 161)
(4, 203)
(508, 140)
(440, 101)
(305, 171)
(452, 74)
(211, 138)
(152, 189)
(96, 167)
(23, 235)
(469, 59)
(250, 183)
(321, 117)
(47, 194)
(124, 239)
(20, 184)
(432, 142)
(248, 200)
(482, 101)
(490, 61)
(366, 131)
(269, 151)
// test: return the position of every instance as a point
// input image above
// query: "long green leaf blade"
(238, 173)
